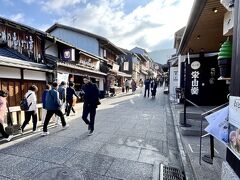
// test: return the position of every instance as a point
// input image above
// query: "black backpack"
(24, 104)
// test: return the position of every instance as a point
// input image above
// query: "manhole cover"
(170, 173)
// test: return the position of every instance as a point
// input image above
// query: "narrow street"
(131, 133)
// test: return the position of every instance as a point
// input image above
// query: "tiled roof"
(7, 52)
(11, 58)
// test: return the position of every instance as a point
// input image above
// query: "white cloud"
(19, 17)
(59, 5)
(146, 26)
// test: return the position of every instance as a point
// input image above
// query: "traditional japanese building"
(98, 46)
(22, 64)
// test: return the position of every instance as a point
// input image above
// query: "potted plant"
(224, 59)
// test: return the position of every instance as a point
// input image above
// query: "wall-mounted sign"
(87, 63)
(126, 66)
(25, 43)
(68, 54)
(195, 65)
(115, 67)
(194, 85)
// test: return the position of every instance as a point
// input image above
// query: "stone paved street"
(131, 133)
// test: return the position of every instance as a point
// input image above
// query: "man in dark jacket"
(147, 86)
(53, 106)
(91, 100)
(70, 93)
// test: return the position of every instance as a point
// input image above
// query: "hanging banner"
(218, 125)
(234, 125)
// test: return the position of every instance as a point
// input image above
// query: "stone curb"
(187, 168)
(156, 171)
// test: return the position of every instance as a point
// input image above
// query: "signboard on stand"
(234, 125)
(218, 125)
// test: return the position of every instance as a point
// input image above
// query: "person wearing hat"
(90, 96)
(3, 111)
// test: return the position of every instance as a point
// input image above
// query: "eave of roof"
(100, 38)
(24, 27)
(13, 62)
(192, 21)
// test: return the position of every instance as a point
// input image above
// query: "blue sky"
(149, 24)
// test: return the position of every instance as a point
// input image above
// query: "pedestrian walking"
(3, 112)
(140, 83)
(127, 85)
(70, 98)
(62, 96)
(90, 94)
(154, 85)
(44, 95)
(31, 111)
(134, 86)
(53, 106)
(147, 87)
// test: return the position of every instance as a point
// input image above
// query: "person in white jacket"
(32, 111)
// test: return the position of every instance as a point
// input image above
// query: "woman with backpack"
(31, 111)
(3, 111)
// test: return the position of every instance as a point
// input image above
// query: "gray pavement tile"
(54, 154)
(120, 151)
(131, 170)
(85, 145)
(132, 132)
(15, 167)
(47, 171)
(22, 149)
(156, 135)
(91, 176)
(102, 137)
(41, 168)
(174, 159)
(117, 139)
(94, 163)
(4, 178)
(172, 143)
(53, 141)
(150, 144)
(149, 156)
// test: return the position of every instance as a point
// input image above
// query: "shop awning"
(13, 62)
(204, 31)
(124, 74)
(80, 68)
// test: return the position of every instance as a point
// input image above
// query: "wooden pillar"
(235, 74)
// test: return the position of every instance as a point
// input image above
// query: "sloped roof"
(100, 38)
(10, 59)
(22, 26)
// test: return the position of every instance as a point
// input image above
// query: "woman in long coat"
(134, 86)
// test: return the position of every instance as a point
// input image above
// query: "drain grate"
(170, 173)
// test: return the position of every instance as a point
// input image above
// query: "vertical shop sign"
(195, 65)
